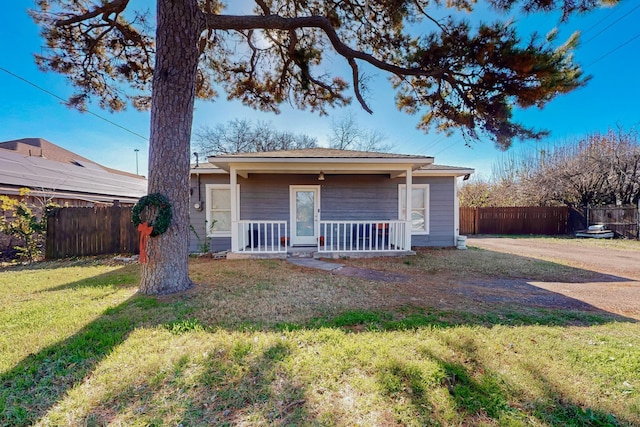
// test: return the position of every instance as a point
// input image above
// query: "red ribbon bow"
(145, 231)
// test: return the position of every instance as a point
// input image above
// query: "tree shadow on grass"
(239, 385)
(124, 276)
(242, 378)
(40, 380)
(263, 391)
(471, 393)
(58, 263)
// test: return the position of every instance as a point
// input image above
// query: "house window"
(419, 207)
(218, 209)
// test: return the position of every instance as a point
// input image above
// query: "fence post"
(49, 241)
(116, 212)
(476, 215)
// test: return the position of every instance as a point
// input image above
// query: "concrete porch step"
(301, 252)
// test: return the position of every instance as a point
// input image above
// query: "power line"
(613, 11)
(431, 144)
(612, 24)
(614, 49)
(446, 148)
(65, 101)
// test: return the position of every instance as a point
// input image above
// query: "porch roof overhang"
(442, 170)
(315, 161)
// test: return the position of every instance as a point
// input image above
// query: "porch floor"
(312, 252)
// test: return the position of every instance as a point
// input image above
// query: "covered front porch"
(332, 207)
(259, 239)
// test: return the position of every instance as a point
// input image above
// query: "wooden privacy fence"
(520, 220)
(90, 231)
(621, 219)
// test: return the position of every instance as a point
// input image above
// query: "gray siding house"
(340, 202)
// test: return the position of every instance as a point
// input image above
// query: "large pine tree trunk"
(169, 151)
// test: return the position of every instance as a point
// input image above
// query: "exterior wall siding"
(441, 212)
(358, 197)
(342, 197)
(198, 218)
(266, 196)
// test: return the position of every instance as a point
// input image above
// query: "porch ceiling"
(315, 166)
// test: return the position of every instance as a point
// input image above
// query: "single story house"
(339, 202)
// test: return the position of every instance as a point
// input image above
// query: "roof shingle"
(320, 153)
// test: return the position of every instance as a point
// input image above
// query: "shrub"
(19, 221)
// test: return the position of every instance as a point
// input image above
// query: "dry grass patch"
(269, 292)
(443, 264)
(621, 244)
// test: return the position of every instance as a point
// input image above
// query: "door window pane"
(304, 213)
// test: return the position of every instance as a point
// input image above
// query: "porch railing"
(262, 236)
(363, 236)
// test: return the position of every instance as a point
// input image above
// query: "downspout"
(233, 181)
(198, 204)
(198, 181)
(409, 208)
(198, 177)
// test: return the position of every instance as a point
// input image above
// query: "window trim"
(427, 206)
(208, 188)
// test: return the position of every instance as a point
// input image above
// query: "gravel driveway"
(616, 289)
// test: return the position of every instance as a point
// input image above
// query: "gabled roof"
(316, 160)
(317, 153)
(327, 160)
(444, 170)
(73, 177)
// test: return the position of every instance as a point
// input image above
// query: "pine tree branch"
(276, 22)
(106, 9)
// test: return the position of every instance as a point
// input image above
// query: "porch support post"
(408, 218)
(233, 181)
(456, 211)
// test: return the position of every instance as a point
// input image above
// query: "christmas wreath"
(162, 211)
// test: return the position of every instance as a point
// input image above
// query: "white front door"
(305, 214)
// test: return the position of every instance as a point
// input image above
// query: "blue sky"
(609, 52)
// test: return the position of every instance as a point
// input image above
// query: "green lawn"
(267, 343)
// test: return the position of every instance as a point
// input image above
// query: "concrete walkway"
(315, 263)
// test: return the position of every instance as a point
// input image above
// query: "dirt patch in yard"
(577, 253)
(614, 282)
(516, 273)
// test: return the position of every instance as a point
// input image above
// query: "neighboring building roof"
(71, 176)
(39, 147)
